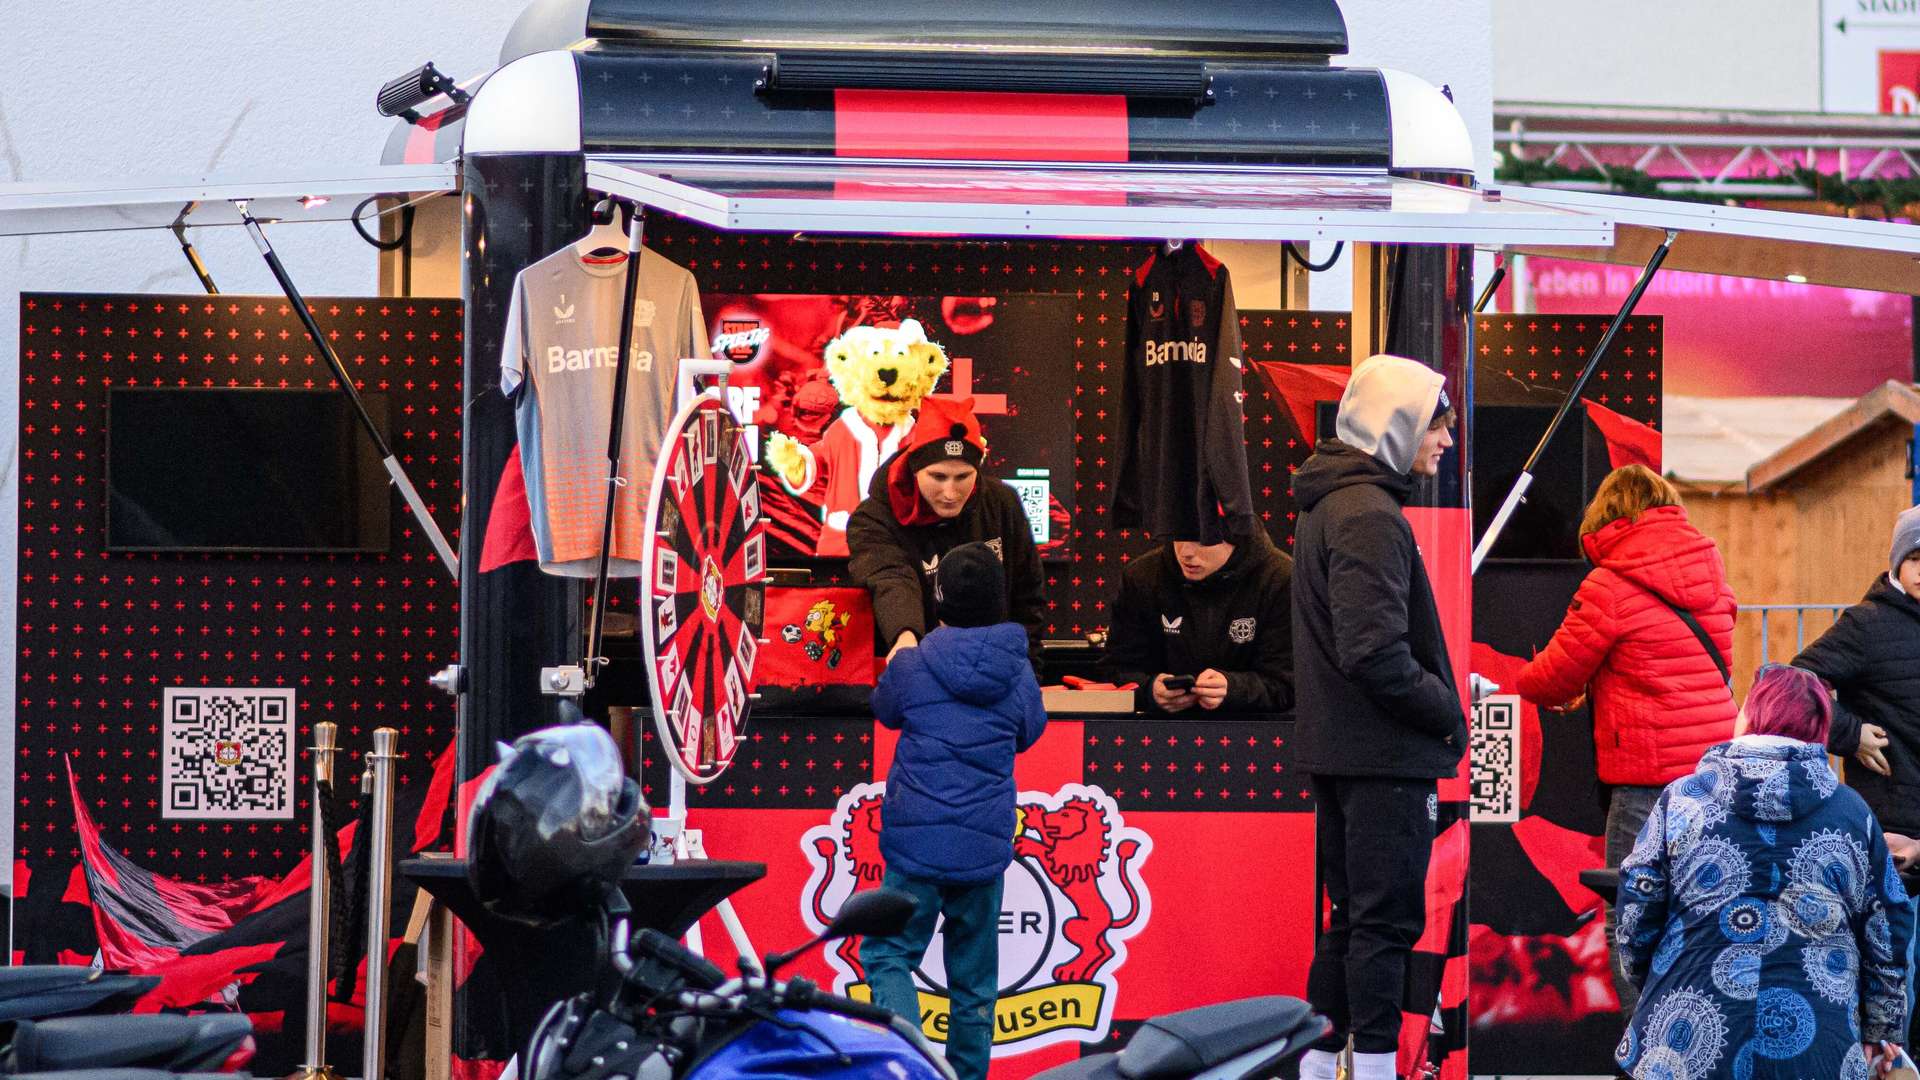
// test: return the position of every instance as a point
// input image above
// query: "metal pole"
(387, 459)
(379, 787)
(597, 618)
(1525, 479)
(319, 905)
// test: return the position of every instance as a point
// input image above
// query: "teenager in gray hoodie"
(1379, 716)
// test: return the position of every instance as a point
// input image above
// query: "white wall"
(1754, 54)
(93, 89)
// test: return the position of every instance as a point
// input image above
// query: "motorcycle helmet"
(555, 824)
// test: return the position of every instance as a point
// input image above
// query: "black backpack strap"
(1700, 634)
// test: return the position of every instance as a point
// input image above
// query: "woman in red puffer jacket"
(1659, 697)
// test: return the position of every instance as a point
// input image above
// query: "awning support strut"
(193, 258)
(636, 229)
(1525, 480)
(397, 473)
(1493, 284)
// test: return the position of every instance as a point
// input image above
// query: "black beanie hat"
(970, 587)
(959, 445)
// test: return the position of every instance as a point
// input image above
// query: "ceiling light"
(1797, 279)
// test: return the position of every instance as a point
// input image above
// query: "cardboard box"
(1062, 701)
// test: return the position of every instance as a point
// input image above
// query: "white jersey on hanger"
(557, 364)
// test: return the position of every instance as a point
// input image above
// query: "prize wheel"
(703, 592)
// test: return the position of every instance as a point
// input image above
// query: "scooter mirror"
(873, 913)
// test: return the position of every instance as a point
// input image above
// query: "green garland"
(1891, 196)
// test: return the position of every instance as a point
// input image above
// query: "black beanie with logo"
(970, 587)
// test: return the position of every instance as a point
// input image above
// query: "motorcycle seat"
(40, 978)
(1183, 1043)
(46, 990)
(197, 1043)
(126, 1074)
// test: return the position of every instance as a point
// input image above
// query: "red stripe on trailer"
(980, 126)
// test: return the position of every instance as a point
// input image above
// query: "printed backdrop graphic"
(1072, 897)
(1542, 999)
(105, 640)
(1744, 337)
(1138, 841)
(1007, 352)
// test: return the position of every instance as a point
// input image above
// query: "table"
(549, 964)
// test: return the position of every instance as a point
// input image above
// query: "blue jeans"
(1627, 814)
(972, 959)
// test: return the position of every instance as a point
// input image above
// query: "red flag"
(1303, 387)
(142, 918)
(1629, 442)
(509, 535)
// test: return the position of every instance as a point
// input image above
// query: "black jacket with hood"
(1375, 693)
(1871, 656)
(1237, 621)
(896, 562)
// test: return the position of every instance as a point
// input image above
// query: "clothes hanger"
(606, 242)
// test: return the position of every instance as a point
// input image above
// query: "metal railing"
(1697, 151)
(1767, 612)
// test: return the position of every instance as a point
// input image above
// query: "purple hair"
(1790, 702)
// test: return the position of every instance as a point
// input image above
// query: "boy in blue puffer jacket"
(965, 702)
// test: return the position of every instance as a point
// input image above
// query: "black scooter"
(71, 1021)
(1234, 1040)
(44, 991)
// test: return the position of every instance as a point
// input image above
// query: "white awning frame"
(1818, 249)
(286, 198)
(1154, 202)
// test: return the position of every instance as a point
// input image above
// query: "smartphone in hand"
(1179, 684)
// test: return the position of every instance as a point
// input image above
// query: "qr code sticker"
(227, 753)
(1033, 500)
(1496, 759)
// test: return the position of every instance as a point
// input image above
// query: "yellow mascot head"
(884, 373)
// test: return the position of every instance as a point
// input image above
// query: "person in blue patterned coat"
(1761, 913)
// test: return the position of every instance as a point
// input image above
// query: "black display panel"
(1547, 524)
(244, 470)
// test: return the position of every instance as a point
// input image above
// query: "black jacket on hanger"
(1183, 444)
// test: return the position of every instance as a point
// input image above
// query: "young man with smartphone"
(1207, 627)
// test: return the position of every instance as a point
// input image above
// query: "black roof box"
(1240, 29)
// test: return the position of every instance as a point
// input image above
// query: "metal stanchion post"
(319, 906)
(377, 783)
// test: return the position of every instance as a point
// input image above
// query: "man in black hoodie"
(1379, 713)
(1218, 613)
(925, 501)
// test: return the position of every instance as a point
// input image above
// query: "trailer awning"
(109, 206)
(1137, 202)
(1718, 239)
